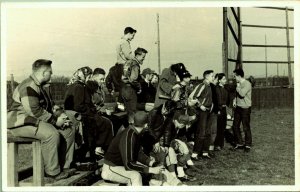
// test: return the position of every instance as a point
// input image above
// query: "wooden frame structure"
(228, 28)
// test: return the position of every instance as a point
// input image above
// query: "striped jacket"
(125, 150)
(203, 94)
(32, 102)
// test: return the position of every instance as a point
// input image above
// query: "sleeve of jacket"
(135, 72)
(31, 103)
(164, 83)
(128, 154)
(143, 158)
(167, 137)
(79, 100)
(219, 98)
(109, 81)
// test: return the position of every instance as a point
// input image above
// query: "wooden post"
(225, 40)
(266, 59)
(240, 38)
(288, 47)
(12, 160)
(38, 167)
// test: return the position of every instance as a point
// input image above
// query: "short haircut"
(181, 117)
(220, 76)
(41, 63)
(239, 72)
(139, 51)
(98, 71)
(207, 72)
(129, 30)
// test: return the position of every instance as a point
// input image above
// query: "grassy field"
(270, 162)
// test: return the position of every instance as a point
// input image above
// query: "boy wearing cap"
(178, 151)
(124, 161)
(147, 96)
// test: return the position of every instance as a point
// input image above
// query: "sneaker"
(59, 176)
(186, 178)
(247, 149)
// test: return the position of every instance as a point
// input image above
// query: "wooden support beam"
(266, 26)
(278, 8)
(278, 46)
(274, 62)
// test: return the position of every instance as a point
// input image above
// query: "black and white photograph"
(150, 96)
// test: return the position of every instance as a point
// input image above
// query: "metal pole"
(158, 44)
(288, 49)
(266, 59)
(225, 40)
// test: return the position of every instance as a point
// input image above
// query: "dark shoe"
(247, 149)
(212, 154)
(186, 178)
(237, 146)
(61, 175)
(218, 148)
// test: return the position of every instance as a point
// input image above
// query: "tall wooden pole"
(288, 48)
(266, 59)
(158, 44)
(240, 38)
(225, 40)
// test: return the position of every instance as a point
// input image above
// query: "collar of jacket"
(36, 81)
(137, 61)
(206, 82)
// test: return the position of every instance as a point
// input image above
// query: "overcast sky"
(76, 37)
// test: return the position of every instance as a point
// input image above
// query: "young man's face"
(149, 77)
(223, 81)
(154, 79)
(141, 57)
(99, 78)
(237, 77)
(47, 74)
(187, 80)
(210, 77)
(131, 36)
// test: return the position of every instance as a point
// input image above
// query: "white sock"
(211, 147)
(180, 171)
(194, 154)
(205, 154)
(190, 162)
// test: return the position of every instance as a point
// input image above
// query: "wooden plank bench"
(12, 160)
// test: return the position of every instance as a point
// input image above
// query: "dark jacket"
(157, 122)
(148, 92)
(125, 150)
(222, 96)
(203, 93)
(32, 102)
(78, 98)
(170, 133)
(167, 80)
(114, 78)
